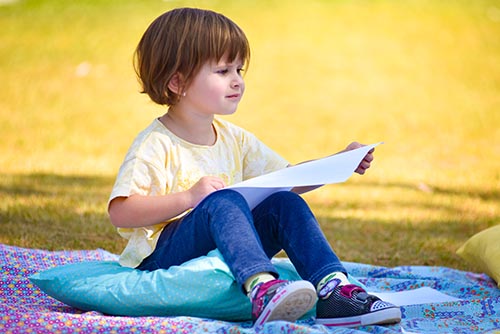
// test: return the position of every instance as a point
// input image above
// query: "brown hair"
(179, 42)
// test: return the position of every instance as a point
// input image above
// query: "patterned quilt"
(25, 309)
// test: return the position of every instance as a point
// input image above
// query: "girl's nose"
(237, 81)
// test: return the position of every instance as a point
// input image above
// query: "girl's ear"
(176, 84)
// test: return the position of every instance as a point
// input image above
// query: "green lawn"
(422, 76)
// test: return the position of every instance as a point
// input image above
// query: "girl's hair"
(179, 42)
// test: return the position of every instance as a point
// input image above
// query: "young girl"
(169, 199)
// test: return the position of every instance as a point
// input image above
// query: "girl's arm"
(140, 211)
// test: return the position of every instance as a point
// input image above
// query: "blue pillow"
(203, 287)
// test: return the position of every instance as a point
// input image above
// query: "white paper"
(333, 169)
(418, 296)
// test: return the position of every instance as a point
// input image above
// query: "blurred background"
(422, 76)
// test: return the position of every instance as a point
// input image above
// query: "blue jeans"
(248, 239)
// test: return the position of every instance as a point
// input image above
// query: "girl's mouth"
(234, 96)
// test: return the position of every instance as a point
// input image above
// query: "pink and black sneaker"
(351, 306)
(281, 300)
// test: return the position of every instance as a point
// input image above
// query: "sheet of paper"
(333, 169)
(423, 295)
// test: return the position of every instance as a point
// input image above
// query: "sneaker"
(282, 300)
(350, 306)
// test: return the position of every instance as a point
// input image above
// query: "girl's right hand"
(205, 186)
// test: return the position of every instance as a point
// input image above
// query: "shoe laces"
(353, 291)
(348, 291)
(262, 293)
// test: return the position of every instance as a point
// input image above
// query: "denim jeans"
(248, 239)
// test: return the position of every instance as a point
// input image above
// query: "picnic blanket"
(26, 309)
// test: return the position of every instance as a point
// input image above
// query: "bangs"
(223, 38)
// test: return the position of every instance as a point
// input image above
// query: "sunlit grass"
(422, 76)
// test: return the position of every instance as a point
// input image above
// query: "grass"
(423, 76)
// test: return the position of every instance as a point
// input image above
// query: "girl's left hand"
(366, 162)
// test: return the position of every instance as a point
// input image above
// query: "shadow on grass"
(49, 184)
(53, 212)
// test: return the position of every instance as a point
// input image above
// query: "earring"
(184, 94)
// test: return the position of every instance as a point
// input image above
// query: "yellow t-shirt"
(159, 163)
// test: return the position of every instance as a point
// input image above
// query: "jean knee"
(226, 196)
(223, 202)
(288, 199)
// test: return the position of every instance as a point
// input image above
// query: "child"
(165, 199)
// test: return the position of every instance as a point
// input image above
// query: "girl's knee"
(290, 203)
(224, 198)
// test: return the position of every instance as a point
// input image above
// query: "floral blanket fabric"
(25, 309)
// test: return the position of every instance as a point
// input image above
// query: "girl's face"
(217, 88)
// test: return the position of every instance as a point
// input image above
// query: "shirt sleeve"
(138, 177)
(141, 172)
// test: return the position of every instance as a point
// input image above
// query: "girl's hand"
(205, 186)
(365, 163)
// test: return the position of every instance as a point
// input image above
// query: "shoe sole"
(383, 317)
(290, 303)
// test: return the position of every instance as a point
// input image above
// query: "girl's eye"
(225, 71)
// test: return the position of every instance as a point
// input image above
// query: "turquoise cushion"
(203, 287)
